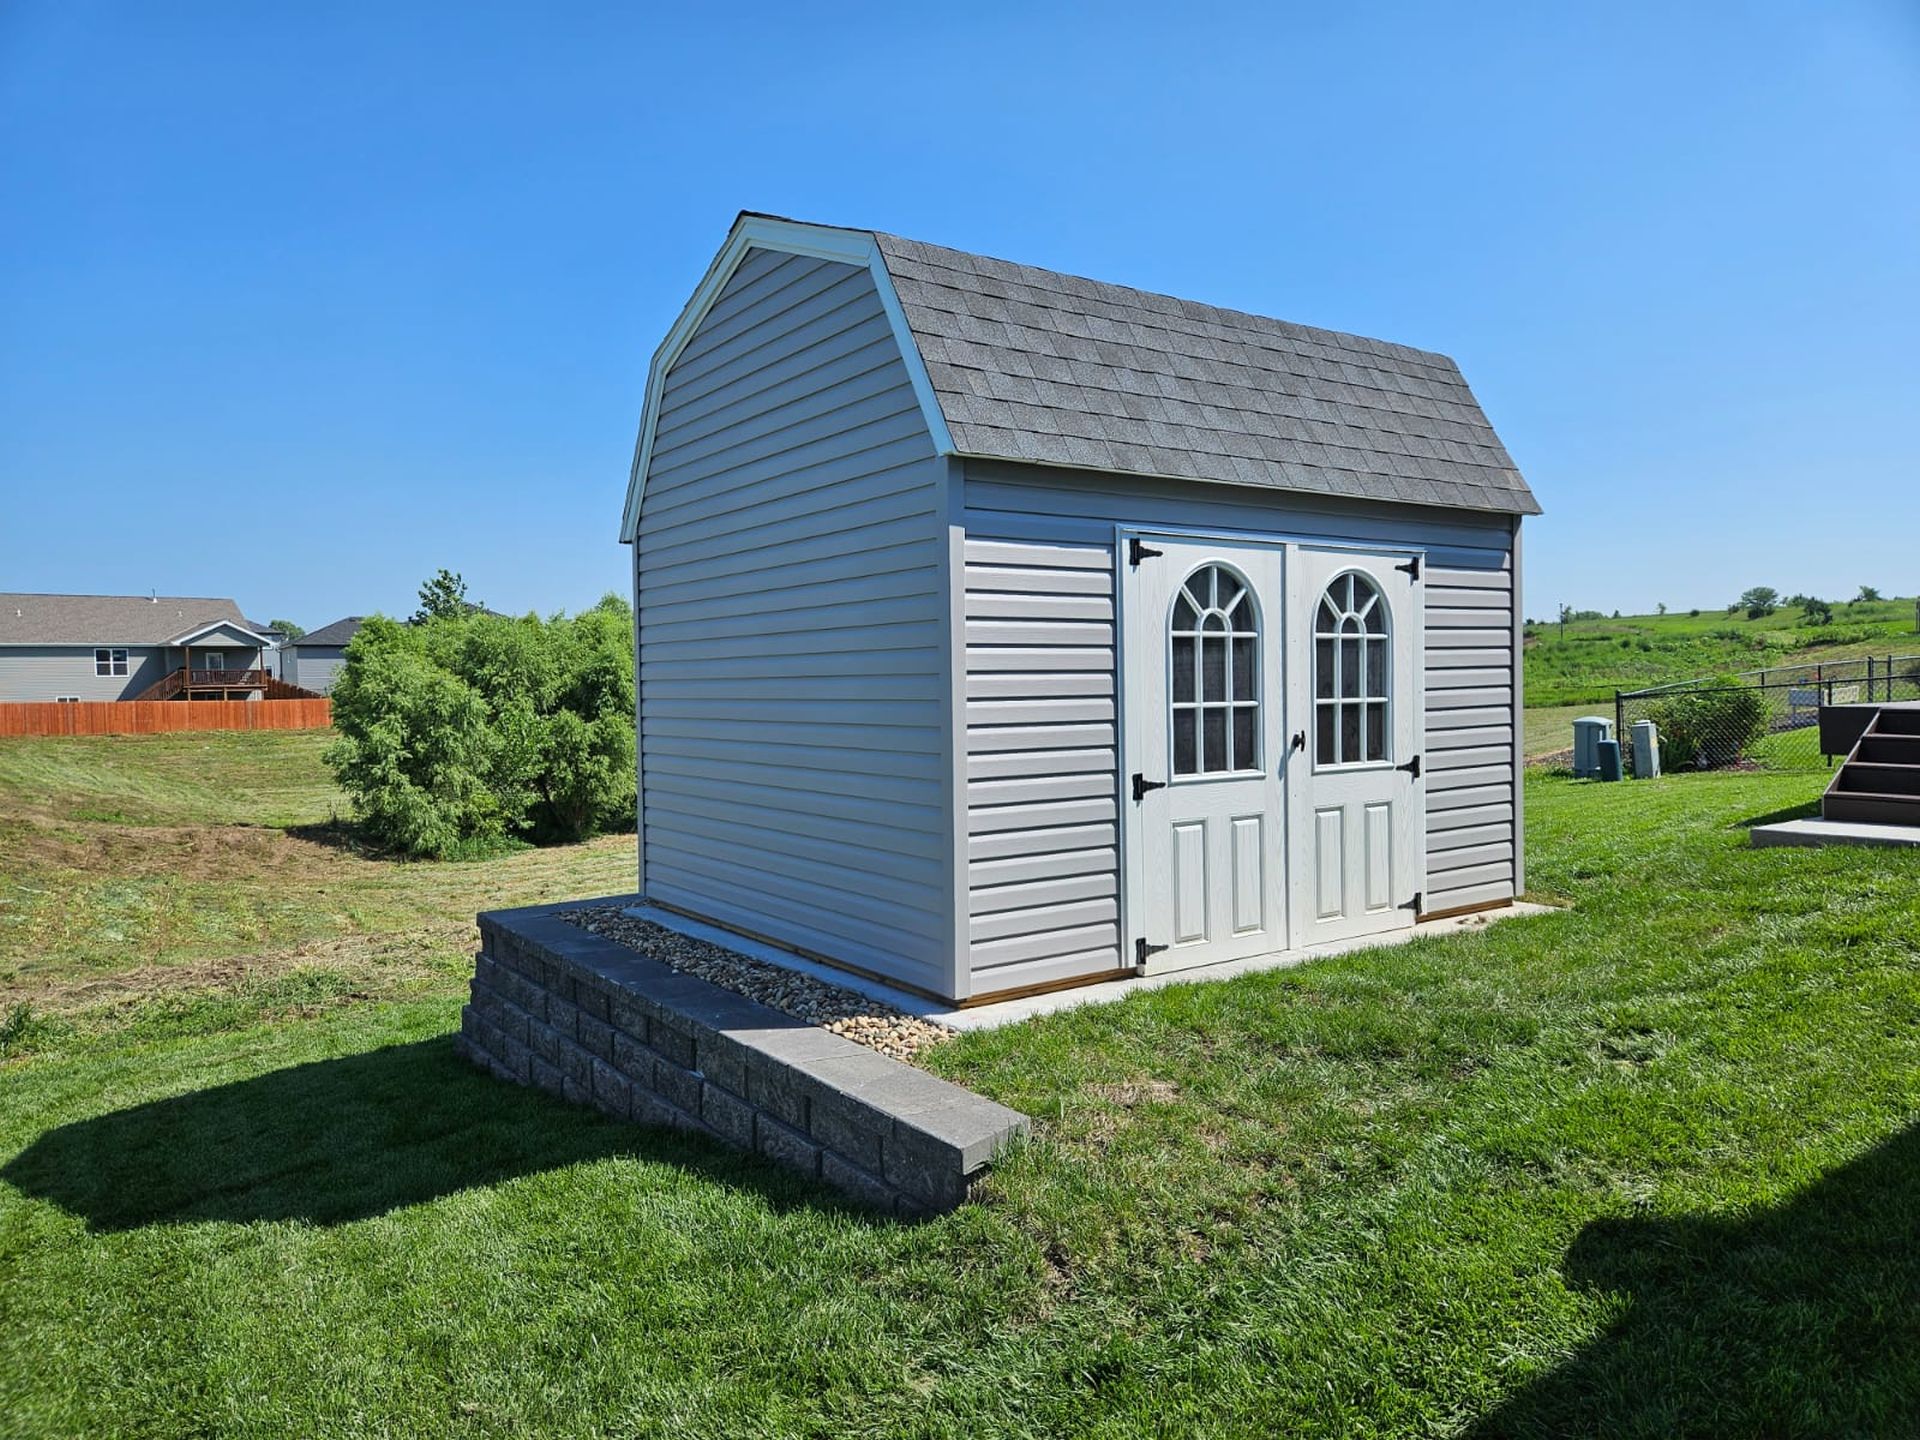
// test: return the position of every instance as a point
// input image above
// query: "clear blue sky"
(298, 302)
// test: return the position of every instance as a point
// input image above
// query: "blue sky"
(298, 303)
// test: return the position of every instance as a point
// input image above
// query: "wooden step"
(1896, 720)
(1855, 808)
(1877, 749)
(1864, 779)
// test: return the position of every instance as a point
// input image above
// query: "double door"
(1271, 772)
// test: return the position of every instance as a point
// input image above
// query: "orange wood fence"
(153, 717)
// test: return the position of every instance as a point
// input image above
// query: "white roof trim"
(189, 636)
(822, 242)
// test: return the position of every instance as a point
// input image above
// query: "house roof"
(27, 619)
(338, 633)
(1016, 363)
(195, 634)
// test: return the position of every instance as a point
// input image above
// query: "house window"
(109, 662)
(1352, 674)
(66, 699)
(1214, 676)
(213, 660)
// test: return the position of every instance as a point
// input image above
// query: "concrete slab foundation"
(1834, 832)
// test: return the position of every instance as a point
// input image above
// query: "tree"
(1759, 601)
(287, 628)
(415, 746)
(1866, 596)
(444, 597)
(466, 728)
(1661, 608)
(1815, 611)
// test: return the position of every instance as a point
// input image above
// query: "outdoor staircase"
(1879, 782)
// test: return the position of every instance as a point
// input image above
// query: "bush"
(1709, 728)
(466, 730)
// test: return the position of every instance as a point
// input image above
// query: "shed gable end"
(792, 624)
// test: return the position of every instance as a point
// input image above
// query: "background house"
(313, 661)
(128, 647)
(1001, 630)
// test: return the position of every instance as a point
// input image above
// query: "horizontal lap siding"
(792, 626)
(1470, 741)
(1472, 817)
(1043, 879)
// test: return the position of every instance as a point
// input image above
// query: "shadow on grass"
(1807, 810)
(340, 1140)
(1800, 1320)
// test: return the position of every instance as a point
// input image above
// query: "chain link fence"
(1762, 719)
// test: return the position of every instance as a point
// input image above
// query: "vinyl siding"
(1472, 799)
(1041, 763)
(46, 672)
(793, 624)
(314, 667)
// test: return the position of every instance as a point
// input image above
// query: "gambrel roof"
(1016, 363)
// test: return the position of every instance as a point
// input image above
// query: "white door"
(1204, 750)
(1360, 804)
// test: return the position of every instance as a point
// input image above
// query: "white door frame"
(1127, 724)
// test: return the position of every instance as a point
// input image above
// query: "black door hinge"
(1414, 903)
(1412, 767)
(1138, 551)
(1412, 567)
(1141, 785)
(1141, 950)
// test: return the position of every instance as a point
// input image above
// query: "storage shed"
(1000, 630)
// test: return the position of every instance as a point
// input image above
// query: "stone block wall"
(599, 1024)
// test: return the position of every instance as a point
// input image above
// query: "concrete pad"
(1009, 1012)
(1833, 832)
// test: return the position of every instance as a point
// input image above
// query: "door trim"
(1127, 722)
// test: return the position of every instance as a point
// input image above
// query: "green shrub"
(1709, 728)
(464, 730)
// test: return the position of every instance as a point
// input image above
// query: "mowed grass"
(179, 880)
(1645, 1167)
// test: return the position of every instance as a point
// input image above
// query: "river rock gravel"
(867, 1021)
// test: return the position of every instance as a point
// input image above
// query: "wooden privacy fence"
(154, 717)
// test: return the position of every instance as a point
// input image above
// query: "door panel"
(1356, 623)
(1204, 695)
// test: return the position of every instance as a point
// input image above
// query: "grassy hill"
(1584, 661)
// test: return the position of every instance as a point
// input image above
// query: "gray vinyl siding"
(313, 667)
(793, 624)
(1041, 764)
(1473, 813)
(47, 672)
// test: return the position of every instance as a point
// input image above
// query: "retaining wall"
(600, 1024)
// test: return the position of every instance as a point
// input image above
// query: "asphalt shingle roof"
(108, 619)
(338, 633)
(1030, 365)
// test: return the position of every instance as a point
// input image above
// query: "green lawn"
(1582, 663)
(1650, 1166)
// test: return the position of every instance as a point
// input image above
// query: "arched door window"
(1214, 650)
(1352, 674)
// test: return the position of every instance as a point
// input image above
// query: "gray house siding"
(1035, 536)
(313, 667)
(48, 672)
(793, 623)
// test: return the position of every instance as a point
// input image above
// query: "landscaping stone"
(561, 1007)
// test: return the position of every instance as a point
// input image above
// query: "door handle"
(1412, 767)
(1299, 740)
(1141, 785)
